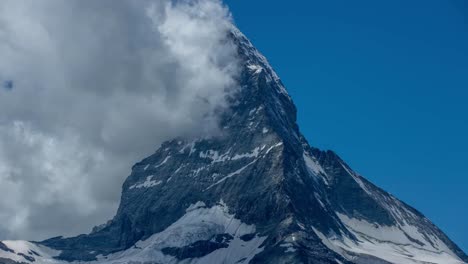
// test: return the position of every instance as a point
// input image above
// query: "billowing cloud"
(89, 88)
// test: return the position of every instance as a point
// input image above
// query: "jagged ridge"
(258, 193)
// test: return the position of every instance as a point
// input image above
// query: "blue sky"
(382, 83)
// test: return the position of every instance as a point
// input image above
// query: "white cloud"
(96, 86)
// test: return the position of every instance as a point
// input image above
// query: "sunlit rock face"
(255, 193)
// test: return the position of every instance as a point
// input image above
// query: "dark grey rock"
(9, 261)
(268, 184)
(200, 248)
(5, 248)
(26, 257)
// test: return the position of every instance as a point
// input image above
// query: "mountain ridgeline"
(257, 193)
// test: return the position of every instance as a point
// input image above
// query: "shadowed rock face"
(302, 204)
(5, 248)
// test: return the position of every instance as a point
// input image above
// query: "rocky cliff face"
(257, 193)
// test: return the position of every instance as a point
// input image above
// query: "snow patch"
(385, 242)
(43, 254)
(314, 168)
(197, 171)
(163, 162)
(272, 147)
(230, 175)
(289, 247)
(255, 68)
(251, 112)
(313, 164)
(148, 183)
(214, 156)
(199, 223)
(195, 206)
(253, 154)
(190, 145)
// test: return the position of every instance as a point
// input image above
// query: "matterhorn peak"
(257, 194)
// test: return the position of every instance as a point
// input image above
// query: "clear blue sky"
(384, 84)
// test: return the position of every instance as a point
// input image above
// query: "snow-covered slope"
(201, 235)
(258, 193)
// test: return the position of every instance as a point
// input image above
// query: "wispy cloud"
(90, 88)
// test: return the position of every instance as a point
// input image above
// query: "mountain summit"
(257, 193)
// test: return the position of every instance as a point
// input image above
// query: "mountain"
(257, 193)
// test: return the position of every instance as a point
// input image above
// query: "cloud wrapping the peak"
(94, 86)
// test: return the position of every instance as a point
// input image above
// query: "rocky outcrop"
(256, 193)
